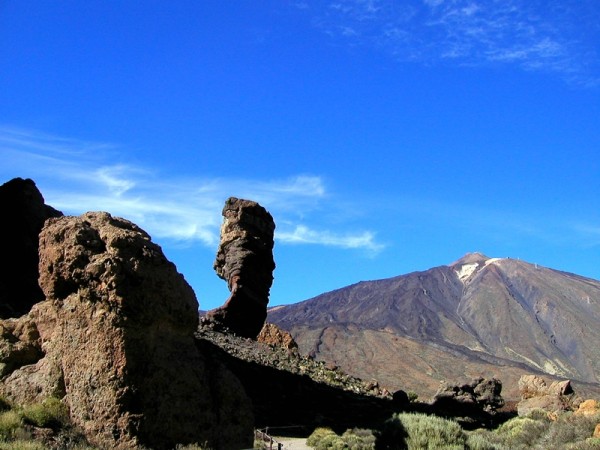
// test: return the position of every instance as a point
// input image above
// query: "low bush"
(51, 413)
(523, 432)
(317, 436)
(10, 422)
(484, 440)
(420, 431)
(569, 430)
(22, 445)
(355, 439)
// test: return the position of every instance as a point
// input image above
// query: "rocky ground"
(290, 360)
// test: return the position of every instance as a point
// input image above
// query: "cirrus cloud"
(77, 176)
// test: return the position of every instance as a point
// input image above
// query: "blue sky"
(384, 136)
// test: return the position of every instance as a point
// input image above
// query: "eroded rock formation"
(480, 393)
(23, 216)
(114, 339)
(553, 398)
(245, 260)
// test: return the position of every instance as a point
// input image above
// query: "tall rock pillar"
(245, 260)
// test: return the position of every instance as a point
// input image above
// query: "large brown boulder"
(116, 332)
(555, 397)
(245, 260)
(23, 215)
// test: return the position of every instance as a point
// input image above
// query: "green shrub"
(412, 396)
(588, 444)
(355, 439)
(51, 413)
(22, 445)
(420, 431)
(10, 422)
(538, 414)
(484, 440)
(522, 432)
(569, 429)
(317, 435)
(359, 439)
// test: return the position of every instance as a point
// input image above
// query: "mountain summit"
(477, 316)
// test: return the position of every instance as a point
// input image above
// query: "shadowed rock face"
(23, 216)
(116, 341)
(245, 261)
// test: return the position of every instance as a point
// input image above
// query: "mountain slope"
(477, 316)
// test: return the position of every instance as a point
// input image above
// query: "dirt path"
(293, 443)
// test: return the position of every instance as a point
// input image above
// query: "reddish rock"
(272, 335)
(245, 260)
(116, 331)
(23, 216)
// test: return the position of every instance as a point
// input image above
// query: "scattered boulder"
(23, 215)
(537, 394)
(597, 431)
(481, 393)
(272, 335)
(116, 333)
(245, 260)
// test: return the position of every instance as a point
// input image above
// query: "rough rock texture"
(480, 393)
(536, 394)
(588, 407)
(19, 344)
(116, 331)
(272, 335)
(245, 260)
(597, 431)
(23, 216)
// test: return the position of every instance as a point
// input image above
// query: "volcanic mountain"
(478, 316)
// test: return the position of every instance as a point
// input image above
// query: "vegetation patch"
(354, 439)
(536, 431)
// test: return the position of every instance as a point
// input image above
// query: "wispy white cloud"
(302, 234)
(555, 36)
(77, 176)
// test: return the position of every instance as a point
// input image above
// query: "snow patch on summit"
(466, 270)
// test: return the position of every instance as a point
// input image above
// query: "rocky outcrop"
(480, 393)
(245, 260)
(23, 216)
(116, 333)
(274, 336)
(553, 398)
